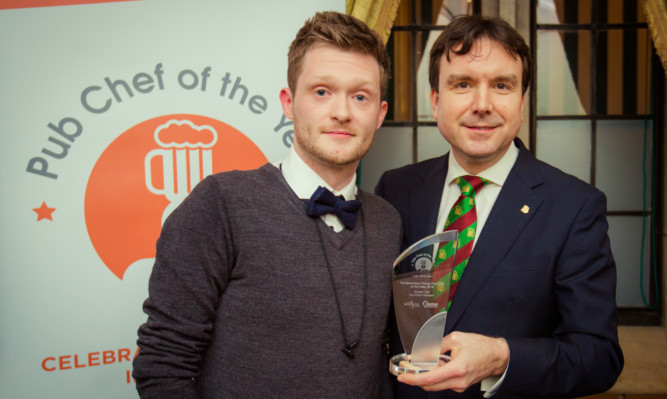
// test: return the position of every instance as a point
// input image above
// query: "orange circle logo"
(147, 171)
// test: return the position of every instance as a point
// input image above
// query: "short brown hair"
(341, 31)
(466, 30)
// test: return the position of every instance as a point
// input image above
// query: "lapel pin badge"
(525, 209)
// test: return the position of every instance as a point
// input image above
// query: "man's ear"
(383, 112)
(435, 97)
(286, 102)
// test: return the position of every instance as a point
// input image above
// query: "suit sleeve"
(189, 275)
(583, 355)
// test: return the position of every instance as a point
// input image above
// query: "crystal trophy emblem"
(421, 293)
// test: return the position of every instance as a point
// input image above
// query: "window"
(597, 80)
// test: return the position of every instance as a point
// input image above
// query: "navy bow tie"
(324, 201)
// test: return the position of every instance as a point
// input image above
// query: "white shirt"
(304, 181)
(484, 201)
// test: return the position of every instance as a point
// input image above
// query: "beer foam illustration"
(184, 133)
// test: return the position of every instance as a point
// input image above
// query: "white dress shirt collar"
(497, 173)
(485, 199)
(304, 181)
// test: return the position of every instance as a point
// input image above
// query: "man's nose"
(482, 101)
(340, 109)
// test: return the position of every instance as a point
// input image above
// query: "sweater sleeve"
(191, 270)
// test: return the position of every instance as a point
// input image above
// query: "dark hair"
(466, 30)
(341, 31)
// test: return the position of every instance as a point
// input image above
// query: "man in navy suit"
(534, 313)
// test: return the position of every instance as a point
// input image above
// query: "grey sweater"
(241, 304)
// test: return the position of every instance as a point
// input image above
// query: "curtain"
(656, 13)
(377, 14)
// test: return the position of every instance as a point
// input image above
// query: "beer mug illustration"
(185, 151)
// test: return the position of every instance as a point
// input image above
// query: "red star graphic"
(44, 212)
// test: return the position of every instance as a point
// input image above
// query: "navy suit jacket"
(543, 278)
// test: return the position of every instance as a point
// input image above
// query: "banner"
(112, 112)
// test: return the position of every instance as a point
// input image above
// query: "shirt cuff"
(490, 385)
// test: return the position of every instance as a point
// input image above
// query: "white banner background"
(67, 322)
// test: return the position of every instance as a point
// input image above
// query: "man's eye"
(463, 85)
(360, 97)
(502, 86)
(321, 92)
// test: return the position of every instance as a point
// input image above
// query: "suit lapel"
(425, 200)
(515, 206)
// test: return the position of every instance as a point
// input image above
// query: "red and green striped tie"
(462, 217)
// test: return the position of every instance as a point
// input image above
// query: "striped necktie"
(462, 217)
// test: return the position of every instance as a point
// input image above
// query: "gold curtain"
(656, 13)
(378, 14)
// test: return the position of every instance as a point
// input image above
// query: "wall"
(89, 91)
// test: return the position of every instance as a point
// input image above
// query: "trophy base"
(401, 364)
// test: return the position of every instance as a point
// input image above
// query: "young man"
(256, 294)
(534, 310)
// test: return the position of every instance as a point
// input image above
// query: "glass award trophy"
(421, 281)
